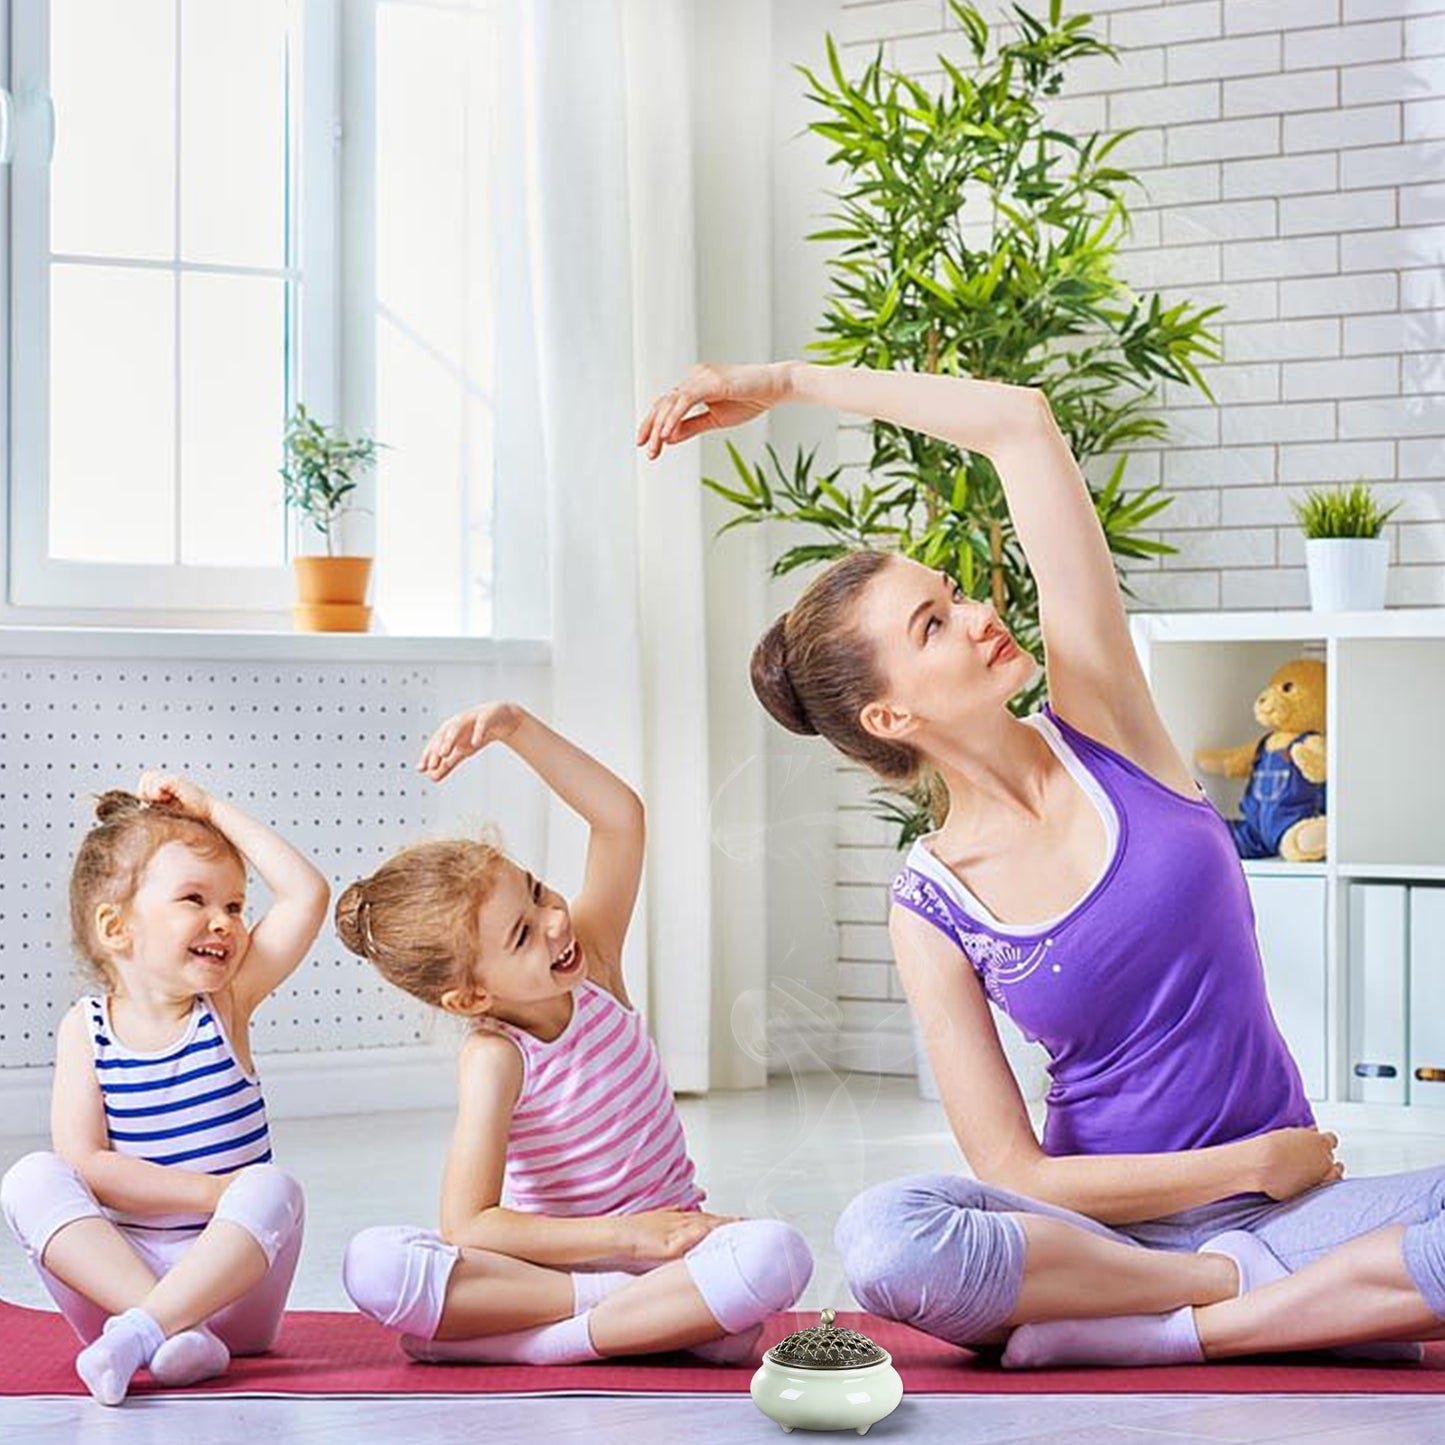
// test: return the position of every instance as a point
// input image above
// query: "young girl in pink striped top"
(571, 1220)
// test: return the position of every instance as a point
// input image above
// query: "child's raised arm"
(612, 811)
(300, 894)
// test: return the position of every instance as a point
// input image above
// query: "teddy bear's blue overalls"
(1277, 797)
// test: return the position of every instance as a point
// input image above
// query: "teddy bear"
(1284, 804)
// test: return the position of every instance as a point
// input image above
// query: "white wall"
(1294, 155)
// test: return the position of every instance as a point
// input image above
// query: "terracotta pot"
(331, 617)
(331, 579)
(331, 594)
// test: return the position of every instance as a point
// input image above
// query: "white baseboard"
(298, 1086)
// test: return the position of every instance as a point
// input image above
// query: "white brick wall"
(1294, 168)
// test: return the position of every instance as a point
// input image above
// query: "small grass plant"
(1342, 512)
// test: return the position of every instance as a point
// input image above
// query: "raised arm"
(990, 1121)
(300, 895)
(613, 813)
(1095, 679)
(79, 1135)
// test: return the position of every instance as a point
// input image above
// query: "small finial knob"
(828, 1317)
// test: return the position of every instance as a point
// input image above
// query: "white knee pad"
(398, 1275)
(39, 1194)
(267, 1203)
(749, 1270)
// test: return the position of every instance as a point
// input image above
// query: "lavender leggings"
(41, 1193)
(943, 1253)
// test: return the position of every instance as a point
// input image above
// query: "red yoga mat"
(322, 1353)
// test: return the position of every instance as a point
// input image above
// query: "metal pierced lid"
(826, 1347)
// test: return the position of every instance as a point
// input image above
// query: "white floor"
(799, 1151)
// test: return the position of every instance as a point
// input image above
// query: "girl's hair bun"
(350, 925)
(116, 803)
(773, 686)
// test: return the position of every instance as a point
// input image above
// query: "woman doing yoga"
(1083, 884)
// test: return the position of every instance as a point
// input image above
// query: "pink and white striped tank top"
(594, 1130)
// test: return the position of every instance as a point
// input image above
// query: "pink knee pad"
(749, 1270)
(398, 1275)
(39, 1194)
(267, 1203)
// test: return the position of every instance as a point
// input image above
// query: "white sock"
(1259, 1265)
(738, 1349)
(589, 1286)
(1168, 1339)
(126, 1342)
(1255, 1261)
(189, 1357)
(566, 1342)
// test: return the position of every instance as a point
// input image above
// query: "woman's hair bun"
(773, 686)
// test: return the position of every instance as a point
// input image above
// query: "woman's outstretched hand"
(466, 733)
(728, 395)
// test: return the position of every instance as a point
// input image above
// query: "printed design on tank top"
(1000, 962)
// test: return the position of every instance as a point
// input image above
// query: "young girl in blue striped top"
(159, 1225)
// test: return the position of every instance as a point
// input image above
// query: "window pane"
(233, 401)
(112, 415)
(434, 335)
(112, 77)
(421, 256)
(233, 131)
(420, 516)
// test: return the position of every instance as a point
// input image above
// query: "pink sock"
(589, 1286)
(565, 1342)
(1168, 1339)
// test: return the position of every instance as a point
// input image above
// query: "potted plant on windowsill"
(322, 469)
(1347, 557)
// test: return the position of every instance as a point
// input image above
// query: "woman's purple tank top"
(1149, 993)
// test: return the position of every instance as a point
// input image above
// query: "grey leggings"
(942, 1253)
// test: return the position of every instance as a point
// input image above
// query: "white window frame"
(35, 578)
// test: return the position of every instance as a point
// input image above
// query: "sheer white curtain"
(596, 294)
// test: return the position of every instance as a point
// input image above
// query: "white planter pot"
(1028, 1061)
(1347, 574)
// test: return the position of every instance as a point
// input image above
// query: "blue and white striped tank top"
(189, 1104)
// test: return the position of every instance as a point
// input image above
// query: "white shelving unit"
(1385, 740)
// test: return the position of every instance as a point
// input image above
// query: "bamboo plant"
(972, 237)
